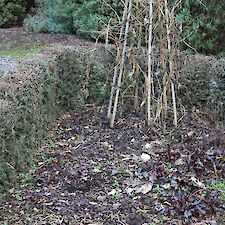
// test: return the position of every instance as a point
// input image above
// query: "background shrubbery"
(52, 16)
(88, 17)
(11, 12)
(200, 23)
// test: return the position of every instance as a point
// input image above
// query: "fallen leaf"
(115, 172)
(106, 144)
(116, 206)
(190, 133)
(101, 198)
(179, 162)
(112, 192)
(144, 189)
(198, 183)
(129, 190)
(61, 144)
(127, 172)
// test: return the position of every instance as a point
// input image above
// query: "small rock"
(145, 157)
(101, 198)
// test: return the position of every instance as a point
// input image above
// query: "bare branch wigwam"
(146, 62)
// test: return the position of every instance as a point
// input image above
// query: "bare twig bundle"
(148, 44)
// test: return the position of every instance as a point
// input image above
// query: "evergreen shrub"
(202, 26)
(200, 23)
(11, 12)
(88, 17)
(52, 16)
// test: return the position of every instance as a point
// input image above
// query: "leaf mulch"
(88, 173)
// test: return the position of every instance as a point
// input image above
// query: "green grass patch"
(22, 51)
(219, 185)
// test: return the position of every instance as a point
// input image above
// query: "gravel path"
(7, 65)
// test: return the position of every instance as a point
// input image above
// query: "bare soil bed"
(87, 173)
(13, 38)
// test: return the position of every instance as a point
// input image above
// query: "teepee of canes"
(157, 40)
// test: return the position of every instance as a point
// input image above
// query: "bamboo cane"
(121, 65)
(109, 114)
(149, 63)
(171, 68)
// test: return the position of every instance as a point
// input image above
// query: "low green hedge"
(44, 87)
(202, 82)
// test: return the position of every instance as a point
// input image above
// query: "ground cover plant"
(22, 51)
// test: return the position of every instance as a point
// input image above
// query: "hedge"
(45, 86)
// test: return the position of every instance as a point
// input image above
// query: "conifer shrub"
(200, 23)
(93, 16)
(52, 16)
(11, 12)
(88, 17)
(202, 26)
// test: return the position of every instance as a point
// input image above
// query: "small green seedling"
(47, 160)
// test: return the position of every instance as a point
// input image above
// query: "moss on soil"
(22, 51)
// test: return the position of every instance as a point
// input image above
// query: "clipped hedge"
(44, 87)
(202, 80)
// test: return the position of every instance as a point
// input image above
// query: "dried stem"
(150, 78)
(150, 73)
(121, 65)
(171, 68)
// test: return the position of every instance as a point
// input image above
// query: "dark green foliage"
(98, 86)
(82, 79)
(72, 74)
(52, 16)
(88, 17)
(93, 16)
(31, 94)
(11, 12)
(202, 25)
(202, 80)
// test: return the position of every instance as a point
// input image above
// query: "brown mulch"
(88, 173)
